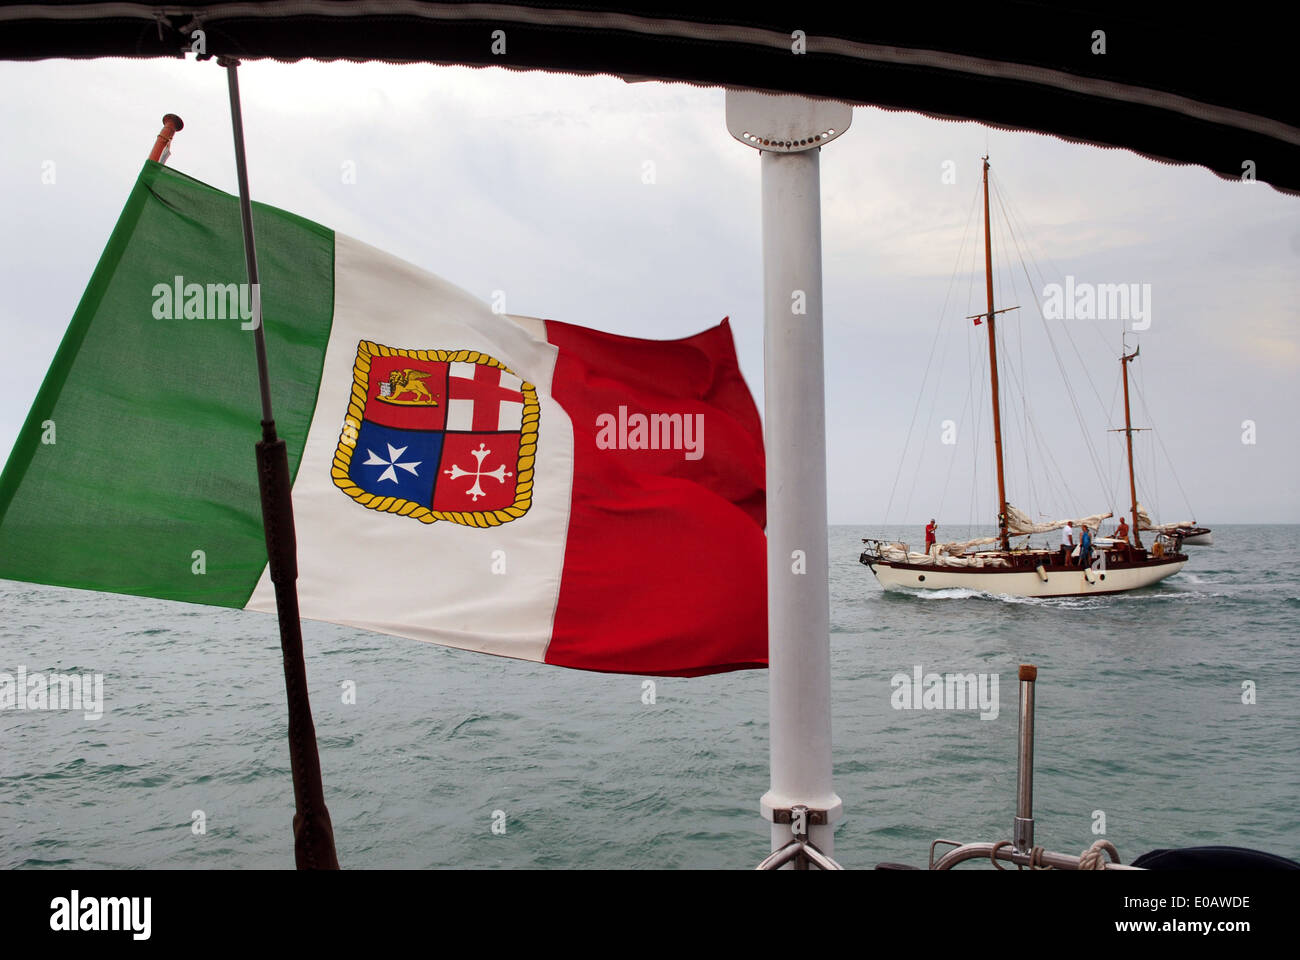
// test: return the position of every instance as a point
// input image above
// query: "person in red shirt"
(929, 534)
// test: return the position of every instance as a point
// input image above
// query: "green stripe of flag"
(154, 420)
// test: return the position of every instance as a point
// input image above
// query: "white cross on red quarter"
(484, 398)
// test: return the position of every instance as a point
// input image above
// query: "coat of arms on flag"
(438, 435)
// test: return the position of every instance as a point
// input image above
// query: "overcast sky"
(534, 184)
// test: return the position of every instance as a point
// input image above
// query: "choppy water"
(1140, 716)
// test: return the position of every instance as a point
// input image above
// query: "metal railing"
(803, 855)
(1036, 859)
(1020, 850)
(800, 853)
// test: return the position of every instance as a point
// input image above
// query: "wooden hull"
(1060, 582)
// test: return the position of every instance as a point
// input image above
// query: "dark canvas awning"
(1171, 86)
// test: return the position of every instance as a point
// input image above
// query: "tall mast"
(1128, 432)
(993, 366)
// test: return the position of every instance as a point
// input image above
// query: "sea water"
(1166, 717)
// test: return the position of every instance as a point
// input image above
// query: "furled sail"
(1019, 524)
(941, 554)
(1144, 523)
(961, 546)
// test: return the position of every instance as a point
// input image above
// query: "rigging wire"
(1045, 449)
(1018, 218)
(1110, 418)
(1092, 453)
(925, 379)
(1079, 356)
(1024, 443)
(1031, 498)
(952, 460)
(1065, 377)
(929, 419)
(1064, 508)
(973, 352)
(1159, 440)
(1113, 471)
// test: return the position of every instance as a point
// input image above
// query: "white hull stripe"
(1059, 583)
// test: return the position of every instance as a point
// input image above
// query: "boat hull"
(1199, 539)
(1023, 583)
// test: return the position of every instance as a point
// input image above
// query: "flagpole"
(162, 146)
(801, 805)
(312, 829)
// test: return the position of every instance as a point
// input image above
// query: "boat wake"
(950, 593)
(1147, 595)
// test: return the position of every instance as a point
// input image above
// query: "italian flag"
(519, 487)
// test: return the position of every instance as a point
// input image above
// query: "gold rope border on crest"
(407, 508)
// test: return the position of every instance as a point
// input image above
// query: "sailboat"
(991, 564)
(1185, 530)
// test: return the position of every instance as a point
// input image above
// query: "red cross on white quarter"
(484, 398)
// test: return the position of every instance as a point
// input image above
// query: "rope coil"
(1091, 859)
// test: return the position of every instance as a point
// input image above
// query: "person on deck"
(1067, 543)
(930, 528)
(1085, 547)
(1122, 546)
(1121, 532)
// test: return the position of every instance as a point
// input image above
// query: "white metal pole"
(789, 132)
(798, 596)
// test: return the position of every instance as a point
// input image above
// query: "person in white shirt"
(1067, 543)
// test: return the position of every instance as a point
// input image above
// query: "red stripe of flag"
(665, 564)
